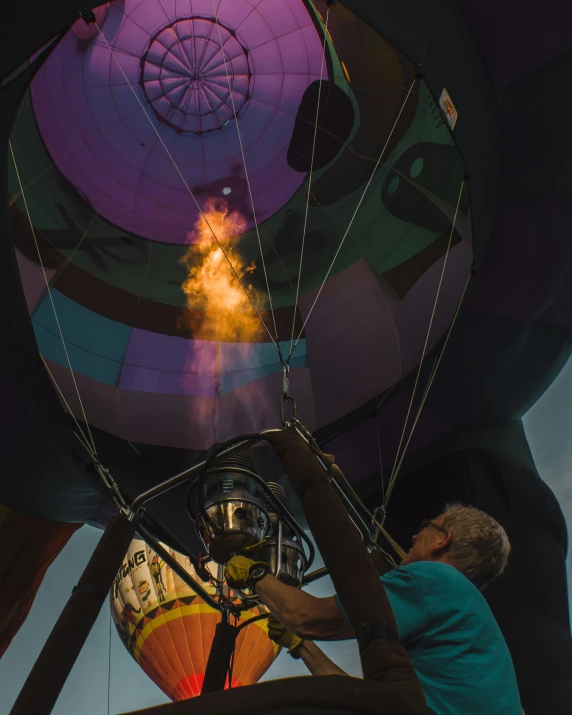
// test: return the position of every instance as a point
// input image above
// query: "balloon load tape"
(87, 15)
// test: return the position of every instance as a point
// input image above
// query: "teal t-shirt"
(453, 641)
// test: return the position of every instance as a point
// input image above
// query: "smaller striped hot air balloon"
(169, 630)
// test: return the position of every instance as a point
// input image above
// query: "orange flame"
(212, 287)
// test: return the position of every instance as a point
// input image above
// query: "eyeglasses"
(427, 522)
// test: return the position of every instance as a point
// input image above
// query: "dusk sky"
(104, 659)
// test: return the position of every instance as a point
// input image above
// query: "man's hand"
(283, 637)
(315, 660)
(238, 569)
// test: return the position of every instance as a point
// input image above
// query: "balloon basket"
(327, 694)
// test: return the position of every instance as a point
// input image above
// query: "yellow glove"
(238, 570)
(283, 637)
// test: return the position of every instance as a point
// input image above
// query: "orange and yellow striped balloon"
(169, 630)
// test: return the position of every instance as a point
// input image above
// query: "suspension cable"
(109, 667)
(238, 132)
(400, 552)
(380, 459)
(377, 163)
(304, 229)
(207, 223)
(80, 436)
(427, 336)
(426, 392)
(53, 306)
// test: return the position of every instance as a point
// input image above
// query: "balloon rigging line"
(350, 148)
(437, 3)
(188, 189)
(122, 364)
(398, 550)
(58, 273)
(428, 387)
(81, 437)
(384, 398)
(14, 197)
(310, 178)
(370, 179)
(52, 302)
(109, 668)
(404, 176)
(380, 459)
(69, 258)
(378, 162)
(278, 258)
(377, 408)
(85, 446)
(393, 476)
(427, 336)
(239, 135)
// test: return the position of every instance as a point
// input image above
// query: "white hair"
(479, 546)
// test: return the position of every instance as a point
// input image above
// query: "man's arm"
(307, 616)
(316, 660)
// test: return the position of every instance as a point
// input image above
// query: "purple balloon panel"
(199, 70)
(361, 339)
(186, 421)
(168, 364)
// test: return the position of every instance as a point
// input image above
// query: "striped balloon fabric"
(169, 630)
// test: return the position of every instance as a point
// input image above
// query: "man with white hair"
(445, 624)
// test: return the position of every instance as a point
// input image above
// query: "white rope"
(427, 389)
(310, 177)
(380, 459)
(400, 552)
(377, 163)
(74, 148)
(109, 667)
(188, 188)
(432, 22)
(245, 171)
(397, 454)
(80, 436)
(58, 274)
(23, 194)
